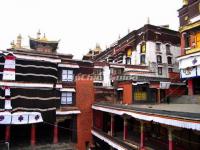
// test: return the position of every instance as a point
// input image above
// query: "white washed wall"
(106, 76)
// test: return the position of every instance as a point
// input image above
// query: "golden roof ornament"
(185, 2)
(19, 41)
(12, 43)
(38, 34)
(44, 38)
(19, 37)
(98, 47)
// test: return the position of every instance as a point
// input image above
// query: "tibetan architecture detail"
(189, 61)
(43, 44)
(92, 53)
(141, 93)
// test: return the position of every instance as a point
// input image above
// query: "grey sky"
(81, 23)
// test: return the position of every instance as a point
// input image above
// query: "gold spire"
(19, 37)
(38, 34)
(19, 41)
(44, 38)
(12, 44)
(185, 2)
(97, 45)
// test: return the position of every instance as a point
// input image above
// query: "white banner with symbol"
(20, 117)
(189, 72)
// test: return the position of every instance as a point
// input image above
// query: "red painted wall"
(174, 76)
(175, 91)
(190, 87)
(182, 44)
(84, 101)
(127, 92)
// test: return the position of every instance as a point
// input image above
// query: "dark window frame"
(169, 60)
(65, 75)
(168, 48)
(158, 46)
(160, 70)
(142, 59)
(187, 40)
(128, 61)
(67, 97)
(159, 59)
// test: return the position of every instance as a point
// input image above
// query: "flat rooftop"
(187, 108)
(187, 111)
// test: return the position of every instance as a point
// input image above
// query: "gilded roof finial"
(185, 2)
(44, 38)
(38, 34)
(19, 41)
(19, 37)
(97, 45)
(12, 43)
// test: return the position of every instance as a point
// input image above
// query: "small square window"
(66, 98)
(67, 75)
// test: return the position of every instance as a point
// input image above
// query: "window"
(98, 74)
(143, 48)
(187, 40)
(67, 75)
(142, 59)
(158, 46)
(168, 49)
(170, 70)
(129, 52)
(116, 71)
(159, 70)
(119, 71)
(120, 95)
(128, 61)
(159, 59)
(169, 60)
(66, 98)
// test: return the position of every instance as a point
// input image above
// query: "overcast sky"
(80, 24)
